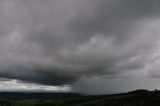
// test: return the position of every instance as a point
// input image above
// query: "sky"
(82, 46)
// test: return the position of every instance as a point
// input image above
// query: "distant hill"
(41, 95)
(133, 98)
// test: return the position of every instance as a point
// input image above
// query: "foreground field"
(135, 98)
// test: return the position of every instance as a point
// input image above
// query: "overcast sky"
(86, 46)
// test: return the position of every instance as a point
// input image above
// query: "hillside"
(134, 98)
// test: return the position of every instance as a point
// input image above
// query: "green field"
(136, 98)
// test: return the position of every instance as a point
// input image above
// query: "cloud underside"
(17, 85)
(59, 42)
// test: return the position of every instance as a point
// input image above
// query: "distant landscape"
(133, 98)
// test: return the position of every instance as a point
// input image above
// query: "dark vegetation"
(134, 98)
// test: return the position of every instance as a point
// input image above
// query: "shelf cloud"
(68, 42)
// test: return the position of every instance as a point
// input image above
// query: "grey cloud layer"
(57, 42)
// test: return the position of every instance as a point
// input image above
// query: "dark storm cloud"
(113, 17)
(58, 42)
(41, 77)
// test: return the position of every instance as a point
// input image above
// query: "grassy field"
(135, 98)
